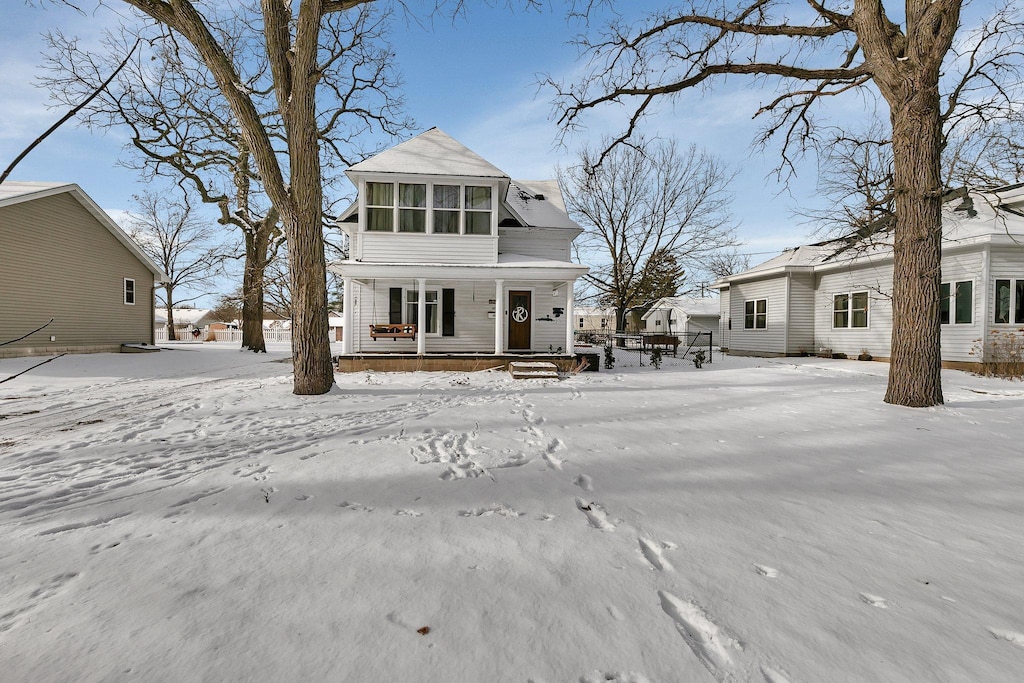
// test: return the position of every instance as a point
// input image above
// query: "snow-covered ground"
(182, 516)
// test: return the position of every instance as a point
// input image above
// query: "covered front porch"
(443, 362)
(464, 312)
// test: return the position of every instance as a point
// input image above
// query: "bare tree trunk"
(171, 336)
(914, 373)
(256, 243)
(311, 347)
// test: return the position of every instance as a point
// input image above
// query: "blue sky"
(475, 77)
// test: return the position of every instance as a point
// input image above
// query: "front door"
(519, 322)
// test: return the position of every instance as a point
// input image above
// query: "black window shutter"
(395, 306)
(447, 312)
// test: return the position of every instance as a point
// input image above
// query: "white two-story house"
(449, 257)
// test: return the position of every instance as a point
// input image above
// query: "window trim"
(754, 316)
(124, 291)
(430, 209)
(438, 302)
(850, 310)
(1015, 303)
(950, 310)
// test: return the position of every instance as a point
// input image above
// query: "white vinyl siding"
(958, 339)
(800, 321)
(723, 321)
(771, 339)
(404, 248)
(533, 243)
(876, 337)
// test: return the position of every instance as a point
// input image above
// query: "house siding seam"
(59, 262)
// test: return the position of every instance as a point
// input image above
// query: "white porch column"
(346, 315)
(421, 317)
(570, 333)
(499, 316)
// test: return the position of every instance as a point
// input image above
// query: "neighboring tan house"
(590, 319)
(64, 258)
(448, 256)
(818, 296)
(683, 315)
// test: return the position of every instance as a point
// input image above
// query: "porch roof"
(509, 266)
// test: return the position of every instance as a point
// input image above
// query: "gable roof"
(968, 219)
(690, 305)
(432, 152)
(15, 192)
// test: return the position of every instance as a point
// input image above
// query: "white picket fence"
(269, 336)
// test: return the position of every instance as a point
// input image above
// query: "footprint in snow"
(614, 677)
(349, 505)
(596, 515)
(766, 571)
(584, 482)
(652, 552)
(710, 643)
(773, 676)
(408, 513)
(874, 600)
(302, 497)
(1009, 636)
(491, 510)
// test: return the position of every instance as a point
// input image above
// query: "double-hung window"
(478, 210)
(412, 207)
(755, 314)
(447, 209)
(956, 302)
(412, 298)
(850, 310)
(129, 291)
(1009, 304)
(380, 207)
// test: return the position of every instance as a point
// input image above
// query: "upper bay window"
(412, 211)
(478, 210)
(380, 207)
(447, 209)
(452, 209)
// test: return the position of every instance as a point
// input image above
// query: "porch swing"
(395, 328)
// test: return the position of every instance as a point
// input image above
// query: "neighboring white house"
(811, 297)
(683, 315)
(449, 256)
(592, 319)
(185, 321)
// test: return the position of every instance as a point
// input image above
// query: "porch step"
(532, 370)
